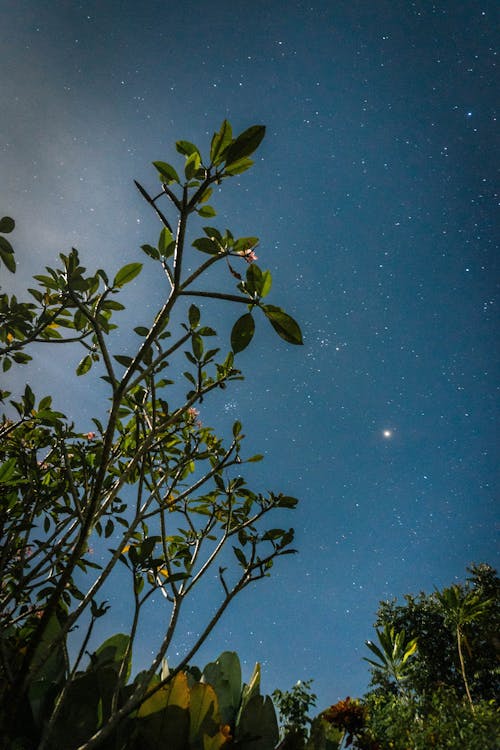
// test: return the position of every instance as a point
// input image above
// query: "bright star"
(387, 434)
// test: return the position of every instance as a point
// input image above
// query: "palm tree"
(460, 608)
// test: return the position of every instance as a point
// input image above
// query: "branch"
(179, 241)
(171, 195)
(152, 203)
(98, 332)
(219, 295)
(34, 334)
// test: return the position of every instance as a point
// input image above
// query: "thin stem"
(171, 195)
(462, 666)
(179, 241)
(152, 203)
(219, 295)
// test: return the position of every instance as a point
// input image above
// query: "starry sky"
(374, 198)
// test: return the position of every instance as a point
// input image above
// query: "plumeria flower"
(249, 255)
(192, 415)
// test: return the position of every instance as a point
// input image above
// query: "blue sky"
(374, 198)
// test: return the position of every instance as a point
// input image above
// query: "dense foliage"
(430, 619)
(435, 678)
(153, 488)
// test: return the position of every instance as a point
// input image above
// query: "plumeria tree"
(151, 484)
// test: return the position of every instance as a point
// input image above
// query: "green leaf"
(187, 148)
(29, 400)
(206, 245)
(166, 243)
(126, 274)
(284, 325)
(125, 361)
(194, 316)
(153, 252)
(7, 224)
(220, 142)
(238, 167)
(84, 365)
(253, 279)
(206, 211)
(192, 165)
(245, 144)
(166, 171)
(240, 556)
(45, 402)
(111, 654)
(197, 345)
(254, 459)
(213, 233)
(285, 501)
(242, 333)
(111, 304)
(260, 712)
(20, 358)
(146, 548)
(7, 254)
(7, 470)
(266, 283)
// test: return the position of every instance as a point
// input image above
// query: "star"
(387, 434)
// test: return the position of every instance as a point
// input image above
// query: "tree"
(298, 731)
(421, 697)
(151, 482)
(435, 661)
(293, 706)
(437, 708)
(461, 608)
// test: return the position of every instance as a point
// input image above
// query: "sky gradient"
(375, 199)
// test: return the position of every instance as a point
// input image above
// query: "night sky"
(375, 201)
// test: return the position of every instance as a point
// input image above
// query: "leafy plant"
(419, 698)
(440, 720)
(435, 661)
(293, 706)
(150, 483)
(393, 653)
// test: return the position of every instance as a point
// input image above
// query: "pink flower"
(90, 435)
(192, 413)
(249, 255)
